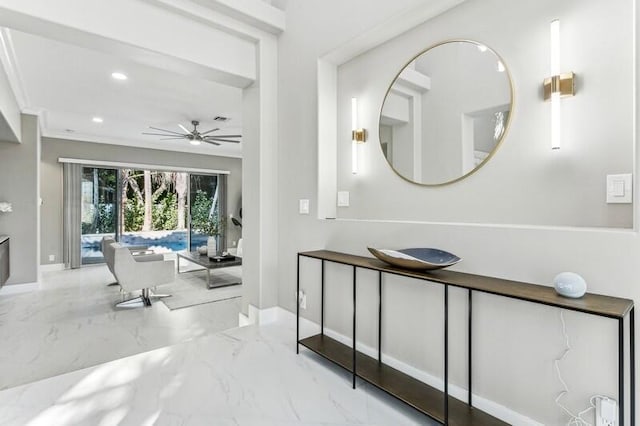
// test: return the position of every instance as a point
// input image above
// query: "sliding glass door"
(165, 211)
(206, 205)
(153, 209)
(98, 211)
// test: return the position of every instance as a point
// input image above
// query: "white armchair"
(141, 253)
(133, 275)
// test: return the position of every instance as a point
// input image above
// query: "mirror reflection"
(446, 113)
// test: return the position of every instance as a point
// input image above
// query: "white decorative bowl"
(570, 284)
(416, 258)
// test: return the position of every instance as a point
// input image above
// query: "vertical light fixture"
(558, 85)
(555, 95)
(358, 136)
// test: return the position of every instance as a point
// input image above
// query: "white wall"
(525, 182)
(515, 342)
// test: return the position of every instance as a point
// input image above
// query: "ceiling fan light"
(194, 142)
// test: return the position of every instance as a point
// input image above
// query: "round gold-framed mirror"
(446, 113)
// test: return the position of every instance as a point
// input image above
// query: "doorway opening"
(166, 211)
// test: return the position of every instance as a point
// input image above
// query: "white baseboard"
(18, 288)
(243, 320)
(259, 316)
(488, 406)
(51, 267)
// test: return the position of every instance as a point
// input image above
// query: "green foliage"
(87, 228)
(105, 223)
(133, 215)
(201, 222)
(165, 212)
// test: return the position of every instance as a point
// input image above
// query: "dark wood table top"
(207, 262)
(597, 304)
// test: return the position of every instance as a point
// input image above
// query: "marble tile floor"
(245, 376)
(70, 323)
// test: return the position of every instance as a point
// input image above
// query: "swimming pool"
(158, 241)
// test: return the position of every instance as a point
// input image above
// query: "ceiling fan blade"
(207, 139)
(209, 131)
(168, 131)
(224, 136)
(170, 139)
(184, 128)
(211, 142)
(163, 134)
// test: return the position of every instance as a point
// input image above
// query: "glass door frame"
(222, 207)
(222, 183)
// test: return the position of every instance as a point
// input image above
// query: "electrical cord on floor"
(574, 419)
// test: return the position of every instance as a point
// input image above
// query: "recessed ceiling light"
(119, 76)
(97, 119)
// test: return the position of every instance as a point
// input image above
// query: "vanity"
(4, 259)
(438, 404)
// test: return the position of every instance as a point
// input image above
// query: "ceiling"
(70, 85)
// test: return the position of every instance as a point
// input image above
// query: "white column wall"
(515, 342)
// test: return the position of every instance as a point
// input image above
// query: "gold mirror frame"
(498, 144)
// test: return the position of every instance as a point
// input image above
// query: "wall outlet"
(302, 300)
(52, 258)
(233, 243)
(606, 412)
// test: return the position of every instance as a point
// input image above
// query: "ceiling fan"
(195, 137)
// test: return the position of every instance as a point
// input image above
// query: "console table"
(436, 404)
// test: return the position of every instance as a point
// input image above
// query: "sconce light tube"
(556, 134)
(354, 142)
(358, 136)
(555, 47)
(555, 95)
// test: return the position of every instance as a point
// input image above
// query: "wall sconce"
(358, 136)
(559, 85)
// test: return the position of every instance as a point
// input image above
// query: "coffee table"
(210, 264)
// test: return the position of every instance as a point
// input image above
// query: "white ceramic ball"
(570, 284)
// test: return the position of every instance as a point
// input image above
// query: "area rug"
(190, 289)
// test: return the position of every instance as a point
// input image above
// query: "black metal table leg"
(379, 316)
(446, 354)
(632, 364)
(621, 370)
(298, 305)
(322, 298)
(354, 328)
(469, 354)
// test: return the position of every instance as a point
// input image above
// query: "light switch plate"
(343, 198)
(304, 207)
(620, 189)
